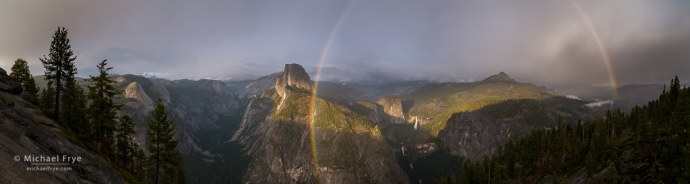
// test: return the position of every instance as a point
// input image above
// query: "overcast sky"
(542, 42)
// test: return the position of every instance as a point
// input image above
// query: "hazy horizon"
(546, 43)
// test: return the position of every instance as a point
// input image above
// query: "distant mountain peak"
(293, 74)
(500, 77)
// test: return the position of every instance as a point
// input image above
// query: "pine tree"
(78, 117)
(125, 145)
(611, 175)
(47, 97)
(72, 100)
(60, 59)
(161, 147)
(20, 72)
(102, 110)
(140, 163)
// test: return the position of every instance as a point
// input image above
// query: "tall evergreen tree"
(61, 58)
(20, 72)
(125, 145)
(72, 100)
(102, 110)
(140, 162)
(47, 97)
(161, 146)
(76, 113)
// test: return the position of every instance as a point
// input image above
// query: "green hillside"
(649, 145)
(434, 104)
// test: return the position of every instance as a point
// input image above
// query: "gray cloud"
(547, 43)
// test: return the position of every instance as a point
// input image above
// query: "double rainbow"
(336, 27)
(314, 91)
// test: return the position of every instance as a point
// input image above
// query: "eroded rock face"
(143, 103)
(473, 134)
(255, 113)
(293, 75)
(392, 107)
(372, 111)
(258, 86)
(8, 84)
(161, 92)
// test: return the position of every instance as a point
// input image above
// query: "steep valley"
(265, 130)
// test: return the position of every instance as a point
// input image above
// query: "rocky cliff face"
(141, 102)
(196, 106)
(339, 147)
(26, 131)
(392, 108)
(293, 75)
(201, 103)
(474, 134)
(374, 112)
(159, 90)
(257, 87)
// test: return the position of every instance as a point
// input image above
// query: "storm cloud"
(547, 43)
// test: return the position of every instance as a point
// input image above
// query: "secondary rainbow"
(600, 44)
(322, 57)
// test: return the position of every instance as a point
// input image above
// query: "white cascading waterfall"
(416, 123)
(403, 150)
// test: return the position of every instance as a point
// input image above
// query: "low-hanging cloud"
(600, 103)
(547, 43)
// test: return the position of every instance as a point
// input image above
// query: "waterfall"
(403, 150)
(416, 123)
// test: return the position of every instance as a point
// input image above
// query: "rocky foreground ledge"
(27, 133)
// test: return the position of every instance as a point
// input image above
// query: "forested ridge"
(649, 145)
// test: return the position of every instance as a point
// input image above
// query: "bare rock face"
(392, 108)
(134, 91)
(372, 111)
(8, 84)
(258, 86)
(473, 134)
(29, 98)
(161, 92)
(26, 131)
(293, 75)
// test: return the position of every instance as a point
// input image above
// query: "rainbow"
(604, 53)
(313, 102)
